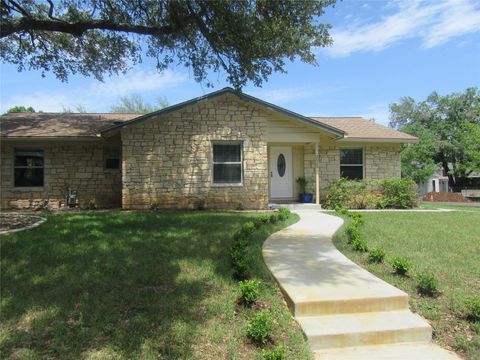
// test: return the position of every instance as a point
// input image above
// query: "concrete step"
(294, 206)
(405, 351)
(387, 302)
(361, 329)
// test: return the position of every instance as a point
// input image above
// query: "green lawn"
(133, 285)
(446, 244)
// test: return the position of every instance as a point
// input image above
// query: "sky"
(382, 51)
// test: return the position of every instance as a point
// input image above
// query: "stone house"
(222, 150)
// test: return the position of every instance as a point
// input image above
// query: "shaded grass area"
(132, 285)
(446, 244)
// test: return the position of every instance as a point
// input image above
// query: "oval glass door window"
(281, 165)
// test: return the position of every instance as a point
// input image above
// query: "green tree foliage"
(448, 127)
(134, 103)
(17, 109)
(247, 39)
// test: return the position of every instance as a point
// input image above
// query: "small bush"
(263, 219)
(353, 232)
(283, 214)
(401, 265)
(376, 256)
(341, 210)
(427, 284)
(240, 263)
(260, 327)
(92, 205)
(360, 245)
(154, 206)
(473, 308)
(249, 291)
(356, 217)
(273, 218)
(277, 353)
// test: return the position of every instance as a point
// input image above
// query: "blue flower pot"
(306, 198)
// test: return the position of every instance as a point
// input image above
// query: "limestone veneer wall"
(168, 160)
(380, 161)
(80, 164)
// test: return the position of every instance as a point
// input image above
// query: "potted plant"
(304, 196)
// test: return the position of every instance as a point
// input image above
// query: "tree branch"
(79, 28)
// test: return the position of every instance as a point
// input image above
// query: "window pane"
(351, 156)
(29, 177)
(227, 173)
(226, 152)
(351, 172)
(112, 163)
(28, 158)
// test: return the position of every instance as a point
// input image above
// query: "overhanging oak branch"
(79, 28)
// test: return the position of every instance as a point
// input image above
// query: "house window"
(112, 157)
(227, 163)
(351, 164)
(28, 168)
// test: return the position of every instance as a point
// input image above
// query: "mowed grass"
(143, 285)
(446, 244)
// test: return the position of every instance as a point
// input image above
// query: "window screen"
(28, 168)
(227, 163)
(112, 157)
(351, 164)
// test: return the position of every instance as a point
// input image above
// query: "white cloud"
(378, 111)
(137, 82)
(97, 96)
(285, 95)
(434, 22)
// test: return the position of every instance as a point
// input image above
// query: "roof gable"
(248, 98)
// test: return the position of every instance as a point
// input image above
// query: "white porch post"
(317, 175)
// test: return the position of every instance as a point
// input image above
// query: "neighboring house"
(438, 182)
(222, 150)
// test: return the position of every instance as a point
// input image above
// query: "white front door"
(281, 172)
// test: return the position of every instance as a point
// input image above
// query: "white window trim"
(363, 160)
(228, 142)
(27, 188)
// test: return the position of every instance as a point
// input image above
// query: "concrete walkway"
(344, 311)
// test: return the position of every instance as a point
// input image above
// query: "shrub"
(401, 265)
(92, 205)
(263, 219)
(360, 245)
(277, 353)
(353, 232)
(361, 194)
(473, 308)
(260, 327)
(273, 218)
(240, 263)
(338, 194)
(356, 217)
(427, 284)
(283, 214)
(376, 255)
(341, 210)
(249, 291)
(154, 206)
(398, 193)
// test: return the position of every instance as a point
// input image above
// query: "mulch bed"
(9, 222)
(445, 197)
